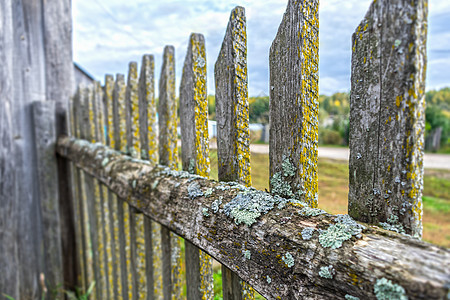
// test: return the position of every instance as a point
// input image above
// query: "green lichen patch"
(392, 224)
(350, 297)
(247, 254)
(340, 232)
(216, 205)
(384, 289)
(208, 192)
(105, 161)
(288, 260)
(244, 216)
(280, 186)
(327, 272)
(288, 168)
(307, 233)
(334, 236)
(248, 205)
(311, 212)
(354, 227)
(191, 166)
(205, 211)
(194, 190)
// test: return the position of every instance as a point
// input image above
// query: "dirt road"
(431, 160)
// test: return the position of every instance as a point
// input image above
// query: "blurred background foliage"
(334, 116)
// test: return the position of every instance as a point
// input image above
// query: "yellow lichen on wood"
(100, 242)
(147, 95)
(126, 223)
(108, 101)
(167, 111)
(119, 114)
(116, 238)
(89, 260)
(132, 103)
(241, 107)
(201, 107)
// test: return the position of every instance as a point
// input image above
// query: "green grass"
(437, 205)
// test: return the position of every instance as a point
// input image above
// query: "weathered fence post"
(76, 194)
(78, 132)
(149, 151)
(137, 230)
(104, 122)
(195, 154)
(85, 190)
(233, 136)
(167, 113)
(101, 194)
(113, 90)
(45, 139)
(119, 110)
(387, 116)
(294, 106)
(92, 194)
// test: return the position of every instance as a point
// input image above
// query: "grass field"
(333, 192)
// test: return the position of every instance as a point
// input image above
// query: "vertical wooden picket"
(79, 196)
(149, 151)
(74, 132)
(108, 196)
(147, 108)
(137, 231)
(233, 137)
(45, 137)
(120, 143)
(96, 118)
(387, 116)
(113, 90)
(294, 105)
(195, 154)
(89, 197)
(167, 112)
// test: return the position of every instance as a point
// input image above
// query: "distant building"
(81, 76)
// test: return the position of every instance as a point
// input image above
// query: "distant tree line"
(334, 115)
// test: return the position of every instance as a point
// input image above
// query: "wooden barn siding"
(36, 54)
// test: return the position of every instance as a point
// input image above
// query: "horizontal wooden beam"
(284, 250)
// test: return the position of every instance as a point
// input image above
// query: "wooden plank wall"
(36, 52)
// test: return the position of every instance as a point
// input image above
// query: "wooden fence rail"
(131, 212)
(285, 252)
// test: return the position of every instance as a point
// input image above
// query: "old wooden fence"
(133, 204)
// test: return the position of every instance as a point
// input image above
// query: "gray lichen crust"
(307, 233)
(393, 225)
(250, 204)
(384, 289)
(327, 272)
(288, 259)
(340, 232)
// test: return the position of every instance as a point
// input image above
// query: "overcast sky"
(107, 34)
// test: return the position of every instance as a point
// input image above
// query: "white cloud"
(110, 33)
